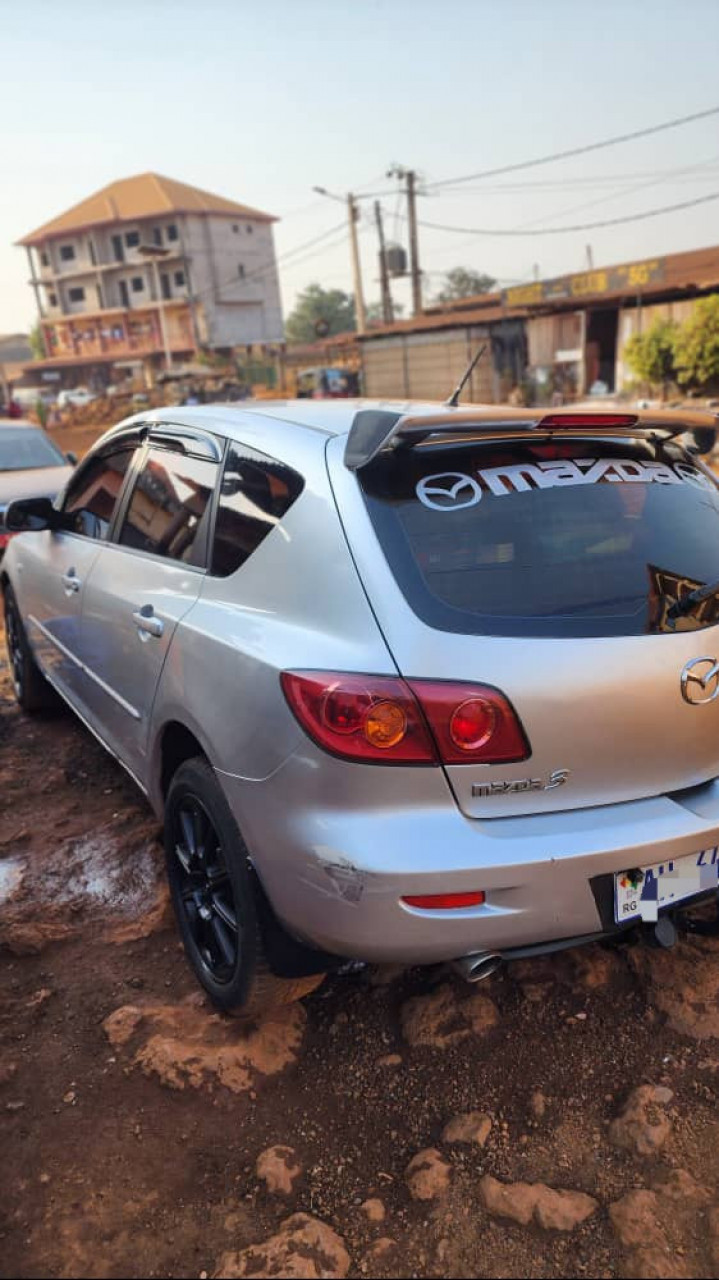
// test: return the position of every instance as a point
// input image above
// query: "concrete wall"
(240, 306)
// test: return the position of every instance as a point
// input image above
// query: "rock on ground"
(427, 1175)
(304, 1248)
(523, 1202)
(184, 1044)
(643, 1127)
(278, 1167)
(474, 1126)
(444, 1018)
(651, 1224)
(374, 1210)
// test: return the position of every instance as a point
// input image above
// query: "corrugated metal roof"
(694, 270)
(146, 195)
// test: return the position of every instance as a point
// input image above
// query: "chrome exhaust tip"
(477, 967)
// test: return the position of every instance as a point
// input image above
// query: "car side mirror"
(72, 459)
(31, 515)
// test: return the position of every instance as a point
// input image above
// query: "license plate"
(639, 893)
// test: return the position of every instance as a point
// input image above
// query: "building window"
(138, 284)
(67, 252)
(52, 299)
(44, 260)
(132, 239)
(165, 285)
(157, 235)
(180, 279)
(241, 271)
(250, 228)
(77, 294)
(172, 232)
(235, 227)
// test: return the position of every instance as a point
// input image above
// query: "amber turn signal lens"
(385, 725)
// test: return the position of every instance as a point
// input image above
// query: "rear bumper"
(336, 857)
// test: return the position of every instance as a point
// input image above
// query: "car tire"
(213, 895)
(32, 690)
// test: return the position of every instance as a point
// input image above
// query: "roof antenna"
(454, 398)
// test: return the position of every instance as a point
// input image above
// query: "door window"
(93, 493)
(256, 493)
(171, 506)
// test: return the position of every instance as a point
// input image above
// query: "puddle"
(11, 874)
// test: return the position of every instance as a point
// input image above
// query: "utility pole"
(590, 258)
(153, 252)
(410, 178)
(387, 308)
(413, 244)
(353, 213)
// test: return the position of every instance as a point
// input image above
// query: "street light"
(153, 252)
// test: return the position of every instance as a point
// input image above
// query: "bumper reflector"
(445, 901)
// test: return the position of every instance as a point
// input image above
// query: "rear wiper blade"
(687, 603)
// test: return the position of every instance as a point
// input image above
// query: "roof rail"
(373, 430)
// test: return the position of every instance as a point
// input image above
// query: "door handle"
(70, 581)
(147, 623)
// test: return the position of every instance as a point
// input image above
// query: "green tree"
(374, 316)
(461, 282)
(696, 349)
(37, 346)
(316, 304)
(650, 355)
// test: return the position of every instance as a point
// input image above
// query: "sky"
(262, 101)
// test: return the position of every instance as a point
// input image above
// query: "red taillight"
(445, 901)
(393, 721)
(360, 717)
(602, 420)
(471, 723)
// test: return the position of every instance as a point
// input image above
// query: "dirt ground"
(137, 1127)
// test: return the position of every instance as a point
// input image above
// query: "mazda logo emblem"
(700, 680)
(449, 491)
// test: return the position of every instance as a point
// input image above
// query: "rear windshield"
(582, 538)
(27, 449)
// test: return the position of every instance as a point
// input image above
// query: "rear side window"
(170, 508)
(256, 493)
(93, 492)
(578, 538)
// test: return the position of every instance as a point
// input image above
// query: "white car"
(74, 395)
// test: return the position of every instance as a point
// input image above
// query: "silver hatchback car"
(407, 683)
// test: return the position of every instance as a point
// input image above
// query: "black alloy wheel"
(205, 890)
(32, 691)
(13, 636)
(214, 893)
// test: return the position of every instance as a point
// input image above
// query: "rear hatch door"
(548, 570)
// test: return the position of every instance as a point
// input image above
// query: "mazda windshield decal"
(455, 490)
(449, 491)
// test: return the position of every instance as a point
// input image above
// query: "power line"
(575, 151)
(585, 226)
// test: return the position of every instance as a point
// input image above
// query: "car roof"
(18, 422)
(328, 417)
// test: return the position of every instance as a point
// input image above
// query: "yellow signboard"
(630, 278)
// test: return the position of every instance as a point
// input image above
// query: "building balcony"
(118, 334)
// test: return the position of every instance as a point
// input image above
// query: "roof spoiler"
(374, 430)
